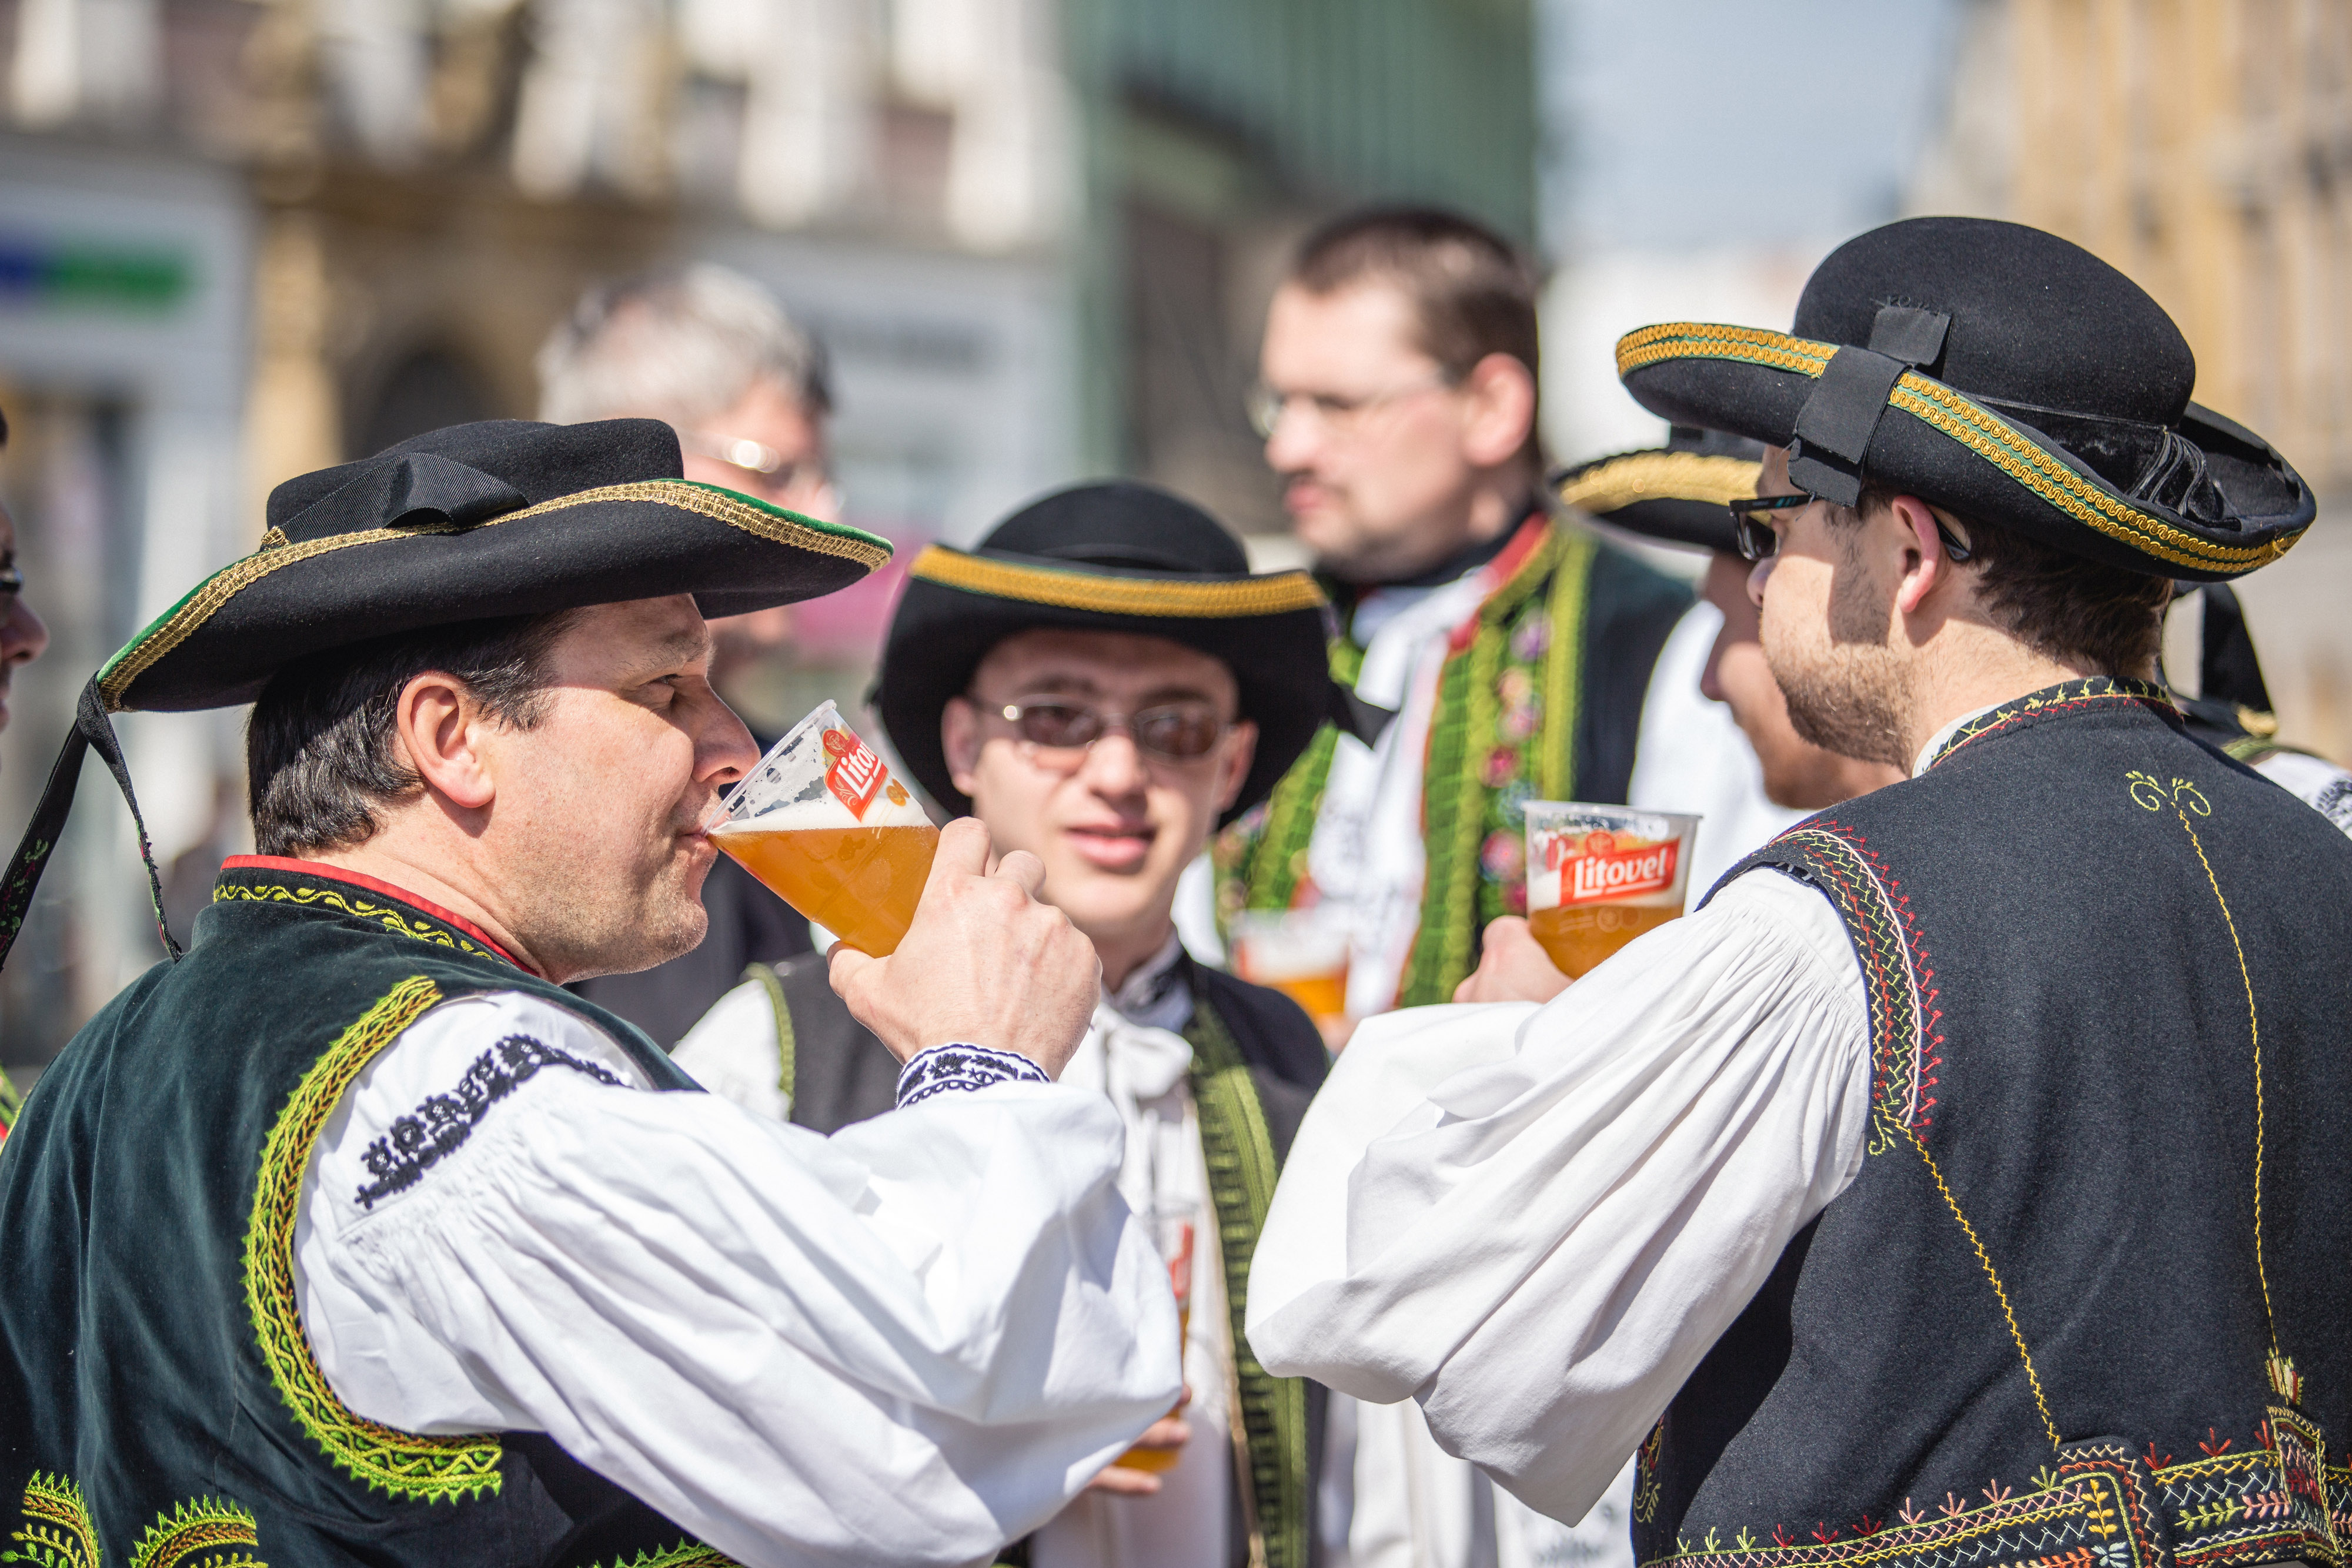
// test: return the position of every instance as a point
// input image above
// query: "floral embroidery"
(405, 1464)
(441, 1123)
(685, 1554)
(962, 1067)
(56, 1530)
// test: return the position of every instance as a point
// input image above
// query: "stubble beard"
(1846, 694)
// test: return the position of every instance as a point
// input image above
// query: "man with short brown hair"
(1398, 402)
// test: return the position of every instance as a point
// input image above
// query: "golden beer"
(860, 883)
(1579, 939)
(1599, 876)
(1300, 953)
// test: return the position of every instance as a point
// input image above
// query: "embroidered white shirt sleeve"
(1535, 1220)
(901, 1344)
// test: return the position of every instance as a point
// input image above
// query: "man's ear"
(1925, 565)
(441, 728)
(960, 738)
(1233, 772)
(1501, 396)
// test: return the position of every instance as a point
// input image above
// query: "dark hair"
(1472, 293)
(2060, 604)
(319, 752)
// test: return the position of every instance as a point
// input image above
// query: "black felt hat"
(501, 518)
(1110, 557)
(1999, 372)
(1675, 494)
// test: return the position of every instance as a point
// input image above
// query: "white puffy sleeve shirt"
(901, 1344)
(1536, 1221)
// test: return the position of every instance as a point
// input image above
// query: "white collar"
(1936, 741)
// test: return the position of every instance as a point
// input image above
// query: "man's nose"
(1292, 446)
(726, 752)
(1114, 768)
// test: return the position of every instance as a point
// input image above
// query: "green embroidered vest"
(160, 1401)
(1539, 699)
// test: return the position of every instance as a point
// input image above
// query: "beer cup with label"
(1302, 952)
(1599, 876)
(1171, 1226)
(823, 823)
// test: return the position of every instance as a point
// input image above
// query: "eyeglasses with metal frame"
(1758, 542)
(1265, 403)
(1181, 731)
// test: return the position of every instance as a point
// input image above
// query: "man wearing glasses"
(1959, 1183)
(1398, 403)
(1102, 682)
(711, 354)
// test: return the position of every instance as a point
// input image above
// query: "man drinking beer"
(351, 1238)
(1102, 682)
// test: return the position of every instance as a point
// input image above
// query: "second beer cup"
(1599, 876)
(826, 827)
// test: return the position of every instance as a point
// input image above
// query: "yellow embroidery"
(177, 624)
(181, 1538)
(1659, 476)
(2185, 798)
(2000, 1291)
(435, 1469)
(1277, 593)
(685, 1554)
(385, 914)
(2023, 459)
(56, 1531)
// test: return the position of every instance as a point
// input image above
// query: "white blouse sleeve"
(902, 1345)
(1536, 1221)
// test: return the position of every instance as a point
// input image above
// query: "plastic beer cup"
(1599, 876)
(826, 827)
(1172, 1229)
(1299, 952)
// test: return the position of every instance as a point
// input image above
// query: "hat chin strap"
(91, 728)
(1834, 427)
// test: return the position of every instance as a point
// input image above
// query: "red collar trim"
(1529, 539)
(292, 867)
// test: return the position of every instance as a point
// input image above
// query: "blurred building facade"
(244, 238)
(2204, 147)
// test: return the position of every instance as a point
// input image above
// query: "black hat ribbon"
(1834, 427)
(91, 728)
(419, 490)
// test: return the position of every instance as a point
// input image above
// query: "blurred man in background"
(713, 355)
(1398, 401)
(23, 639)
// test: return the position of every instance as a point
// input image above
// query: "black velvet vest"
(2087, 1304)
(158, 1399)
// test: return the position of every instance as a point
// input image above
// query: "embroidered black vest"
(160, 1401)
(2086, 1303)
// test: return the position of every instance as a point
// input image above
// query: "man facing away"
(351, 1236)
(1398, 405)
(710, 353)
(1715, 737)
(1956, 1183)
(1101, 682)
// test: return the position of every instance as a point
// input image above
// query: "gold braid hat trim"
(2002, 445)
(1275, 593)
(1616, 482)
(773, 523)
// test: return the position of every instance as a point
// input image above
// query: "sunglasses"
(1758, 542)
(1173, 732)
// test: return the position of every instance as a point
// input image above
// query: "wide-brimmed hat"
(2003, 373)
(1108, 557)
(476, 522)
(1675, 494)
